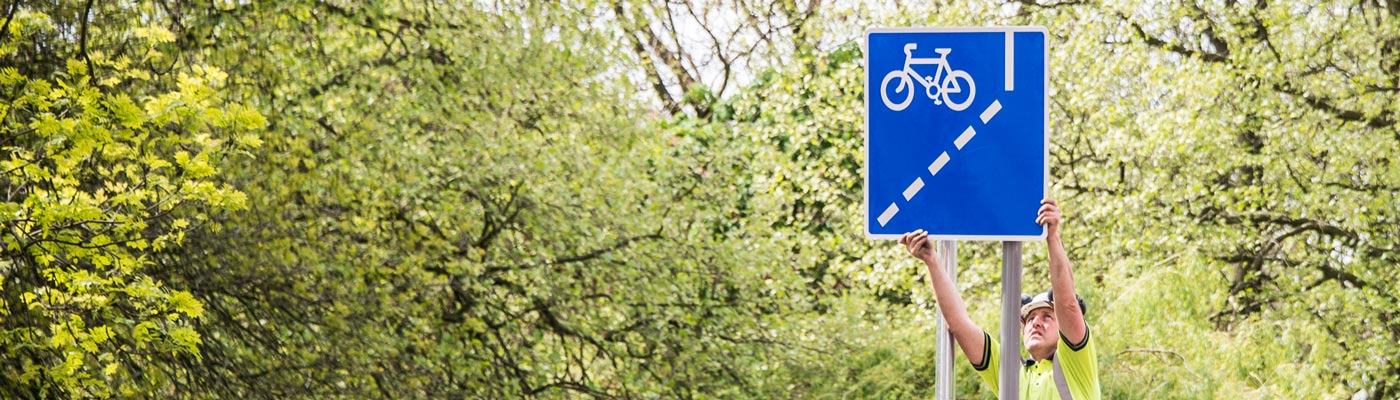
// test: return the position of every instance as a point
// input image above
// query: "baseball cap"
(1045, 299)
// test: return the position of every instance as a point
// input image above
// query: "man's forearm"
(950, 304)
(1062, 283)
(1061, 275)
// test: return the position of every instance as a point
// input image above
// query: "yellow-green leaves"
(93, 178)
(185, 303)
(125, 111)
(186, 338)
(198, 167)
(154, 33)
(142, 334)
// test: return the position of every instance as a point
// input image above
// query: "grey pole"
(1010, 320)
(948, 250)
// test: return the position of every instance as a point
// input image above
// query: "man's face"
(1039, 332)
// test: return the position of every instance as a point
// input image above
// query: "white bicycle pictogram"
(947, 83)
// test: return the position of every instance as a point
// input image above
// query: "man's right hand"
(970, 337)
(918, 245)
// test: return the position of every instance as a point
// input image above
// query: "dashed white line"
(889, 213)
(966, 136)
(991, 111)
(913, 188)
(938, 164)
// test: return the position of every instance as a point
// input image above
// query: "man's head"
(1039, 329)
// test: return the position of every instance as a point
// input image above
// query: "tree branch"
(9, 15)
(1058, 4)
(1325, 104)
(578, 257)
(82, 37)
(1153, 351)
(1173, 47)
(720, 48)
(672, 60)
(667, 101)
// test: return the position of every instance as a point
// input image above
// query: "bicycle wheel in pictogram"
(906, 86)
(953, 91)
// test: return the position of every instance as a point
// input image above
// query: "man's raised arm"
(1067, 312)
(969, 336)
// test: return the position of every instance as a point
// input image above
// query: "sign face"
(956, 140)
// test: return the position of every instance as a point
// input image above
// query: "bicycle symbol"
(947, 84)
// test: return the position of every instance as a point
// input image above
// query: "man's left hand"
(1049, 215)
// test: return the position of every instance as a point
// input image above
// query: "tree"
(1280, 120)
(691, 52)
(462, 204)
(107, 165)
(657, 199)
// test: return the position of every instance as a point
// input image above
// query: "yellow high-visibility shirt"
(1079, 363)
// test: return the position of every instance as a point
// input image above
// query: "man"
(1050, 330)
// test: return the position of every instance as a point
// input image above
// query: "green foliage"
(1250, 143)
(94, 175)
(395, 199)
(460, 211)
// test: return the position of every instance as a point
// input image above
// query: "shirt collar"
(1030, 362)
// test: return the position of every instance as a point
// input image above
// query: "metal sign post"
(947, 249)
(1010, 320)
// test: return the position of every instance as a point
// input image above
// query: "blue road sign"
(956, 140)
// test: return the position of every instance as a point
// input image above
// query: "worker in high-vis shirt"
(1062, 362)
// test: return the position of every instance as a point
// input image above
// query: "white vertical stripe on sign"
(1010, 61)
